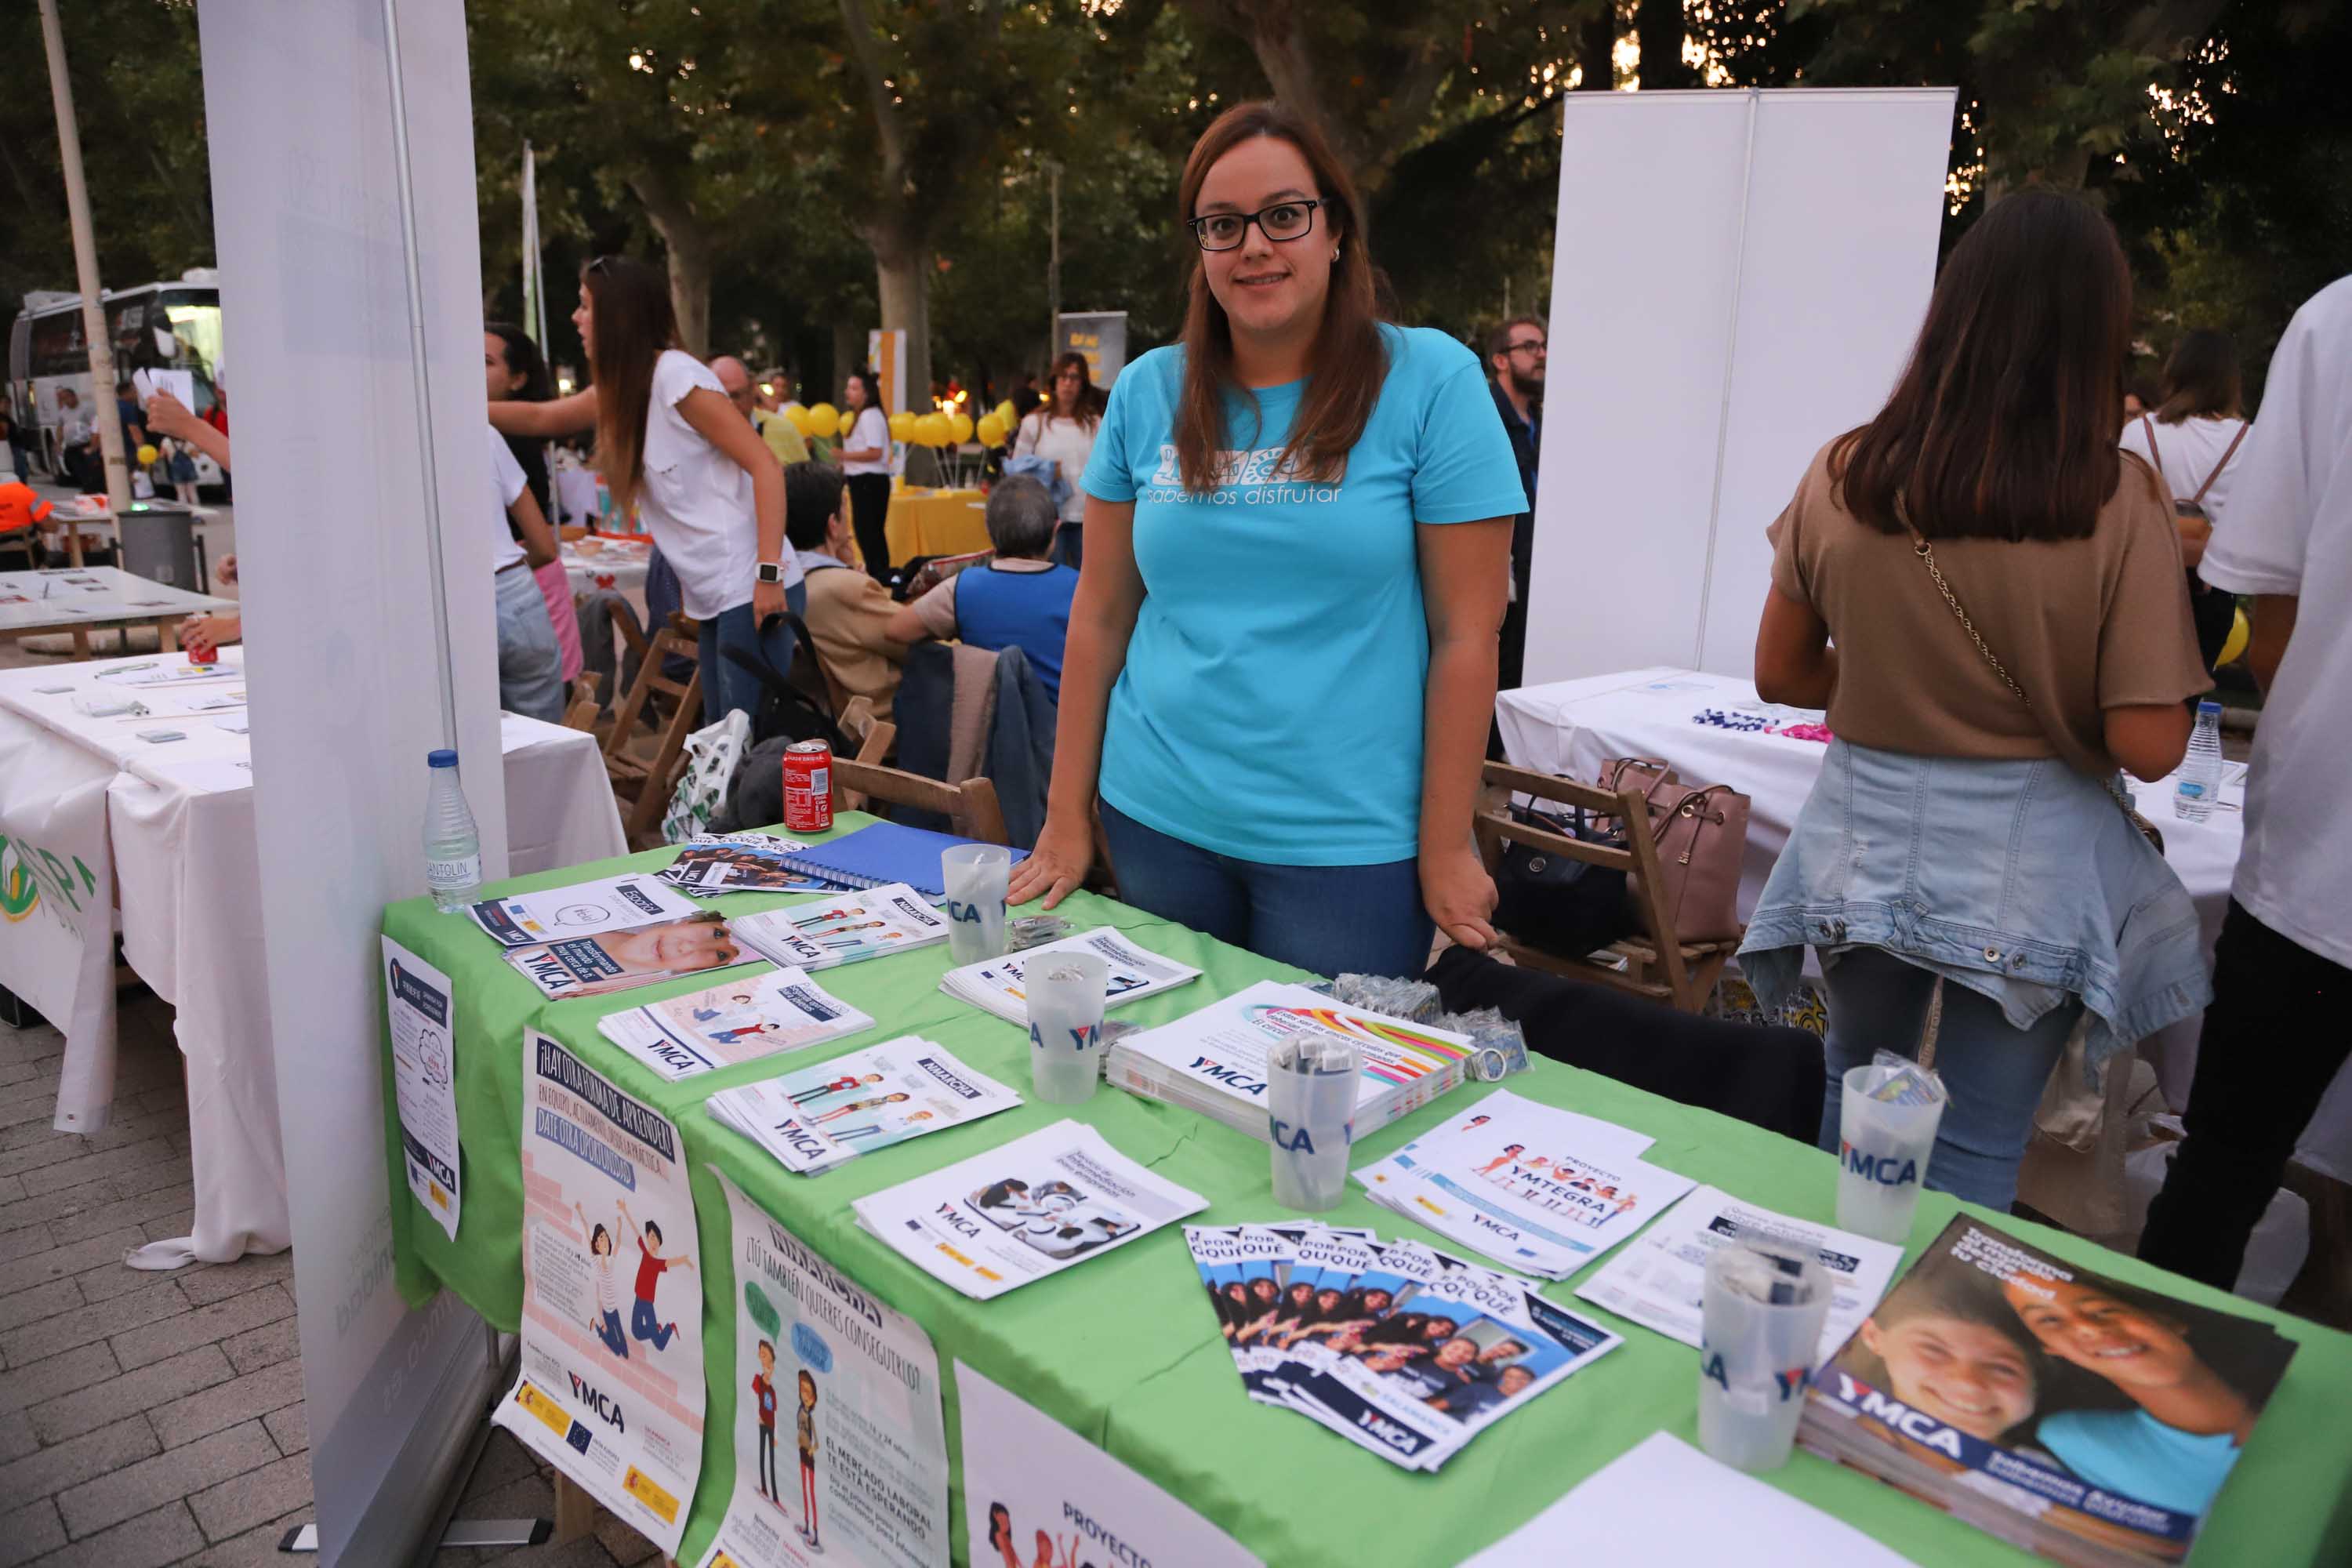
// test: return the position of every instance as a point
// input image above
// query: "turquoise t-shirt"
(1271, 704)
(2133, 1453)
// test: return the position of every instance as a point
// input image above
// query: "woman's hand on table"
(204, 635)
(1459, 895)
(1056, 867)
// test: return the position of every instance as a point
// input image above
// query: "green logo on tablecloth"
(26, 869)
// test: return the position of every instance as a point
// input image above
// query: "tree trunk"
(902, 268)
(1597, 49)
(848, 353)
(1658, 28)
(688, 243)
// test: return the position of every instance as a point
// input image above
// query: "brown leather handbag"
(1701, 834)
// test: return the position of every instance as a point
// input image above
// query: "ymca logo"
(1788, 1382)
(607, 1408)
(1884, 1169)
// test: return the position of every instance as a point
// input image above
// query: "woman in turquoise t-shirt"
(1281, 658)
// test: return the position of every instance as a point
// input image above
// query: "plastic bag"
(713, 753)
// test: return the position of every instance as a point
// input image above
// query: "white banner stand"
(338, 500)
(1738, 277)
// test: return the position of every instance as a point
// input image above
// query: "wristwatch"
(771, 572)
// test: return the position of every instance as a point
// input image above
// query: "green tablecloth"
(1125, 1351)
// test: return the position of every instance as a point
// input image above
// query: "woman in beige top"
(1969, 823)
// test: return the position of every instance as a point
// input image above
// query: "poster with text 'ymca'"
(841, 1452)
(611, 1386)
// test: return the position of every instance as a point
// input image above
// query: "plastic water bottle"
(453, 849)
(2199, 783)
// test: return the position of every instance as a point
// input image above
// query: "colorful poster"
(1036, 1492)
(417, 999)
(841, 1451)
(611, 1386)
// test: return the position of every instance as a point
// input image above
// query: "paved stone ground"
(148, 1419)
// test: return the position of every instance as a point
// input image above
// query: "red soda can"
(208, 654)
(808, 787)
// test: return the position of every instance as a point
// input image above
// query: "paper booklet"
(1660, 1281)
(1398, 1347)
(624, 959)
(1528, 1185)
(843, 928)
(741, 863)
(584, 909)
(995, 984)
(832, 1111)
(1213, 1062)
(2089, 1421)
(1020, 1212)
(763, 1014)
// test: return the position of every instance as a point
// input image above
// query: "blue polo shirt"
(1270, 707)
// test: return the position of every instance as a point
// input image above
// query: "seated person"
(1021, 599)
(849, 614)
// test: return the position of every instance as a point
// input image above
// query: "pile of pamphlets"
(832, 1111)
(1213, 1062)
(2062, 1411)
(615, 960)
(742, 863)
(1528, 1185)
(767, 1012)
(995, 984)
(1031, 1207)
(1401, 1348)
(842, 929)
(584, 909)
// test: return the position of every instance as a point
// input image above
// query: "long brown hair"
(2003, 426)
(633, 323)
(1349, 361)
(2201, 379)
(1090, 397)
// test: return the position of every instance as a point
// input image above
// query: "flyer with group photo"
(610, 1390)
(841, 1448)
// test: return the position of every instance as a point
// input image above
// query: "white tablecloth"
(179, 833)
(612, 562)
(1570, 726)
(71, 596)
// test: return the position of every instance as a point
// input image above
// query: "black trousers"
(869, 509)
(2273, 1041)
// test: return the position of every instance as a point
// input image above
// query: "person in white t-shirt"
(2274, 1036)
(1062, 431)
(2194, 437)
(668, 440)
(864, 458)
(530, 664)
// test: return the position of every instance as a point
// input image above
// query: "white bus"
(156, 326)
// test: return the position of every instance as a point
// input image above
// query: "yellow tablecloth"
(934, 522)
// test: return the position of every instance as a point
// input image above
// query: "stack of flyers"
(584, 909)
(763, 1014)
(1660, 1281)
(1401, 1348)
(624, 959)
(1036, 1207)
(741, 863)
(842, 929)
(820, 1116)
(1528, 1185)
(995, 984)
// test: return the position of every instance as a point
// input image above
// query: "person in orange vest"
(21, 509)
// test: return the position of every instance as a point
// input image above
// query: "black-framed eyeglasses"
(1528, 347)
(1281, 222)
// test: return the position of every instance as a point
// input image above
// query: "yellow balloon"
(798, 419)
(933, 431)
(2240, 634)
(991, 430)
(1008, 414)
(823, 420)
(847, 422)
(902, 426)
(961, 424)
(147, 454)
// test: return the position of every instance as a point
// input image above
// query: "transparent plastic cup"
(1762, 1317)
(1883, 1149)
(1310, 1104)
(974, 876)
(1065, 1011)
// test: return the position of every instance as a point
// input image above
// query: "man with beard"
(1516, 351)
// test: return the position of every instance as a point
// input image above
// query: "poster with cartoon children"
(610, 1389)
(840, 1444)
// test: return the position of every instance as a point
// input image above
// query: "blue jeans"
(727, 685)
(647, 1326)
(1994, 1071)
(1070, 546)
(609, 1331)
(531, 666)
(1329, 920)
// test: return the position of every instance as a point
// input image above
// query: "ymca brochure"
(418, 1001)
(843, 928)
(833, 1111)
(584, 909)
(1530, 1185)
(624, 959)
(1213, 1062)
(1024, 1210)
(741, 863)
(764, 1014)
(995, 984)
(1660, 1280)
(2097, 1421)
(1406, 1350)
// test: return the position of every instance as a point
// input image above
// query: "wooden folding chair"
(582, 714)
(647, 785)
(971, 807)
(1662, 967)
(871, 733)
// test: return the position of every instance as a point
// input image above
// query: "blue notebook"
(883, 853)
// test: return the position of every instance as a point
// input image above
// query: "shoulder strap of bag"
(2148, 428)
(2233, 451)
